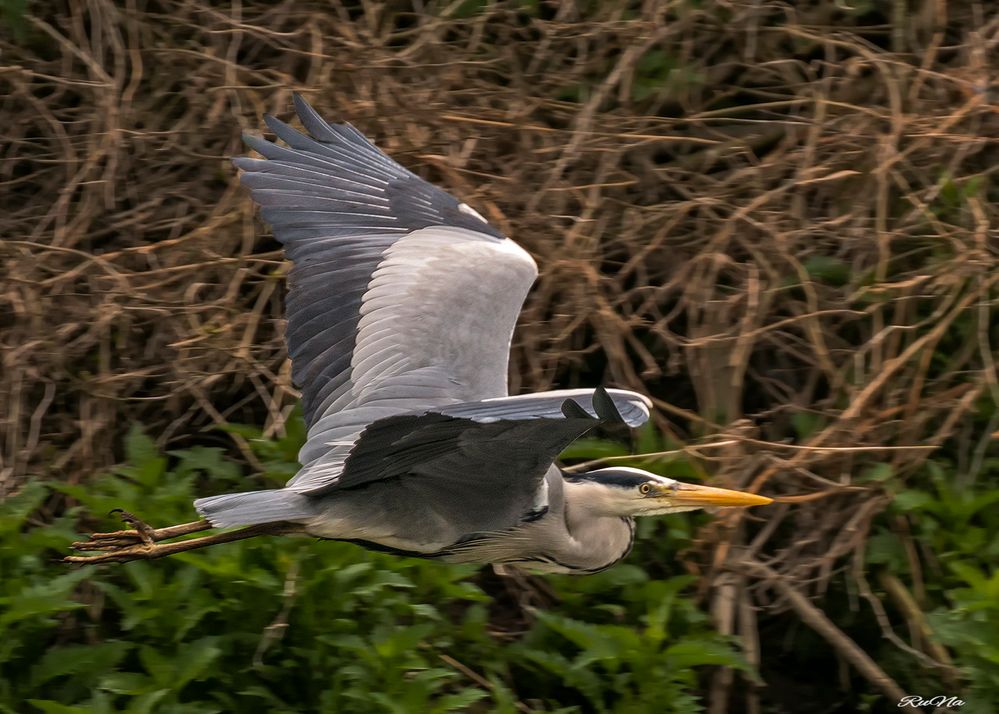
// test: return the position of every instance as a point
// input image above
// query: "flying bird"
(401, 307)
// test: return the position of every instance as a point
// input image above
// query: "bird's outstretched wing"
(610, 405)
(492, 454)
(489, 462)
(495, 438)
(400, 296)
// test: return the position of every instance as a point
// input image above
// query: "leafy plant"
(957, 529)
(287, 625)
(622, 668)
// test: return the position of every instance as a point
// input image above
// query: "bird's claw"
(142, 530)
(136, 544)
(117, 546)
(142, 534)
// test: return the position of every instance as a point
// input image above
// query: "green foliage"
(953, 196)
(657, 75)
(970, 626)
(956, 526)
(953, 522)
(289, 625)
(660, 74)
(622, 668)
(12, 17)
(828, 269)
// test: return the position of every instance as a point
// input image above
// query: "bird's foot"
(143, 543)
(140, 543)
(140, 529)
(112, 553)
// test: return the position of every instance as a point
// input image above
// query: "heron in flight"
(401, 307)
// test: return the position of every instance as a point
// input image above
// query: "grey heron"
(401, 308)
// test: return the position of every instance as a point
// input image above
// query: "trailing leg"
(123, 546)
(140, 533)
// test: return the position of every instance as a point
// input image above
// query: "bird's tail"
(253, 507)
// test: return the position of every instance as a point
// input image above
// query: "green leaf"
(807, 423)
(126, 683)
(911, 500)
(459, 701)
(17, 509)
(195, 659)
(89, 660)
(828, 269)
(50, 707)
(885, 548)
(139, 448)
(208, 460)
(43, 599)
(877, 472)
(146, 703)
(593, 449)
(693, 652)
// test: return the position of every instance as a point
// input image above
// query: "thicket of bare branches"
(777, 219)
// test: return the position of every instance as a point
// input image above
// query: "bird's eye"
(644, 488)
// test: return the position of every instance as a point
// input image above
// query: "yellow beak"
(696, 496)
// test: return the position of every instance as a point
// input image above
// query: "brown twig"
(818, 621)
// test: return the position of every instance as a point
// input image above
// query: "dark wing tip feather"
(305, 111)
(258, 144)
(310, 118)
(572, 410)
(605, 408)
(275, 124)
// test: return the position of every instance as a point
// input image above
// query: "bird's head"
(624, 491)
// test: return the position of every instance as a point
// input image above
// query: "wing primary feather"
(572, 410)
(373, 309)
(605, 408)
(301, 142)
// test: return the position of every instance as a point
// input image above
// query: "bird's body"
(401, 308)
(550, 539)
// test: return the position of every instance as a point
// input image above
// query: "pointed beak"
(689, 495)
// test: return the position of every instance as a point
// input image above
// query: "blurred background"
(777, 219)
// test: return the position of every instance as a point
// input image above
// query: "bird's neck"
(597, 541)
